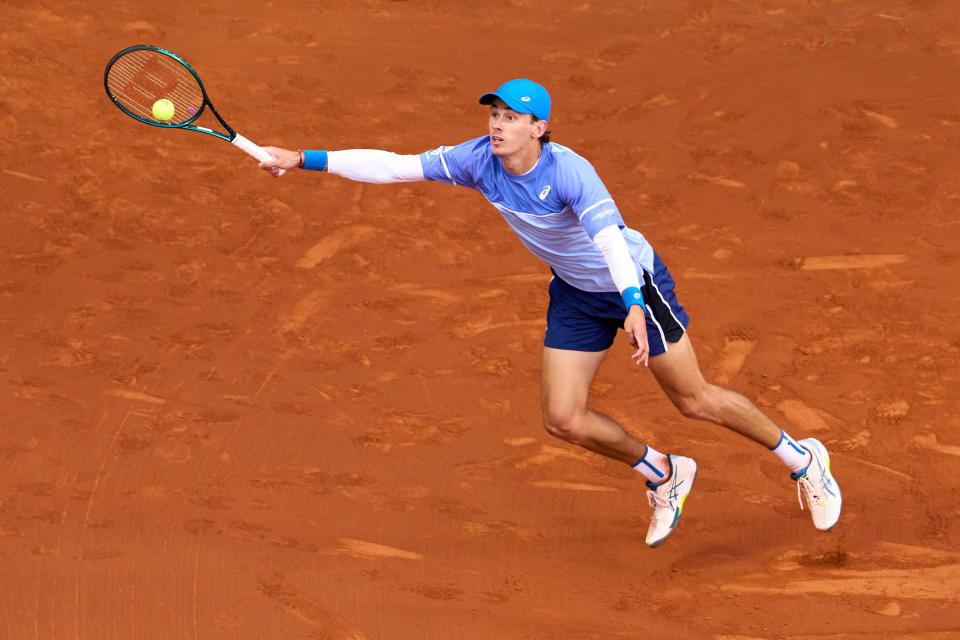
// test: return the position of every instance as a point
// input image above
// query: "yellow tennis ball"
(163, 109)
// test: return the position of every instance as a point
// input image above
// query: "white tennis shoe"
(667, 498)
(817, 487)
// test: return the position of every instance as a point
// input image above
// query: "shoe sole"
(656, 543)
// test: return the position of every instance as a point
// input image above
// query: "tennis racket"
(140, 76)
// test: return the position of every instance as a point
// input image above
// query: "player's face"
(512, 132)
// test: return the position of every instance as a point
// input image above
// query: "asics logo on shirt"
(606, 211)
(544, 192)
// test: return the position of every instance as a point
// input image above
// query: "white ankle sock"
(653, 465)
(790, 453)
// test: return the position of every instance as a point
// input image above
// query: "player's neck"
(522, 161)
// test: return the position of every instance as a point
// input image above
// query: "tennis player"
(606, 277)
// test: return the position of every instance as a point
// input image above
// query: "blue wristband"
(316, 160)
(631, 297)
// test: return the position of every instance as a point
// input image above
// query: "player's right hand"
(283, 160)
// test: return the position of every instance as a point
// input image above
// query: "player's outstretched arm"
(362, 165)
(282, 159)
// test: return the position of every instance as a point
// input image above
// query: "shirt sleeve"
(586, 194)
(457, 165)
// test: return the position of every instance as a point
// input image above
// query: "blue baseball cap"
(523, 96)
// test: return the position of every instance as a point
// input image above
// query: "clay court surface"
(239, 407)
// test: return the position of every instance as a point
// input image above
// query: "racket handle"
(254, 150)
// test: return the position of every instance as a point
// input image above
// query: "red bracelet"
(301, 157)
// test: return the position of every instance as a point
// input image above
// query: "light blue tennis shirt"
(556, 208)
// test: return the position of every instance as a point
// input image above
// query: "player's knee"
(565, 423)
(699, 406)
(696, 412)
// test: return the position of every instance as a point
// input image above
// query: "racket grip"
(253, 149)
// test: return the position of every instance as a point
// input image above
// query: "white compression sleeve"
(372, 165)
(614, 248)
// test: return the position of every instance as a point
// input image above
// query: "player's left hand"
(635, 327)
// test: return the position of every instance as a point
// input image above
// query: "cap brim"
(488, 98)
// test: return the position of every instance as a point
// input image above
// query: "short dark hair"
(545, 138)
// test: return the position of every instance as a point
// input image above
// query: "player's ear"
(539, 128)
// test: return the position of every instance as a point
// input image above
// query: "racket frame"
(186, 124)
(230, 136)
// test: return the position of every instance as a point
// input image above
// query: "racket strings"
(139, 78)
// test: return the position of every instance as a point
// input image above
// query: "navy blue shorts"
(580, 320)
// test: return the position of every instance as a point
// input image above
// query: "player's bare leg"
(566, 377)
(566, 380)
(679, 375)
